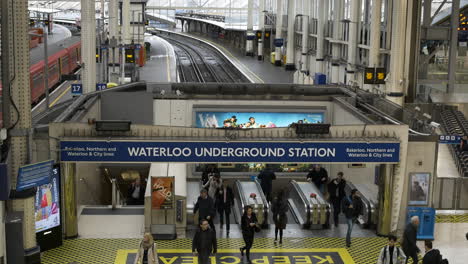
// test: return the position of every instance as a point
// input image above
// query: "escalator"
(250, 193)
(369, 197)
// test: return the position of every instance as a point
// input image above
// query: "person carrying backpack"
(391, 254)
(432, 255)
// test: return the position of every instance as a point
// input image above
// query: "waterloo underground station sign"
(229, 152)
(258, 256)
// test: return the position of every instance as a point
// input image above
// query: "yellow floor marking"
(122, 254)
(61, 95)
(167, 63)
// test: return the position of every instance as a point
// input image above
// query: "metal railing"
(117, 197)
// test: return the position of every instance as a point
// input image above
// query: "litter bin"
(320, 78)
(272, 57)
(426, 221)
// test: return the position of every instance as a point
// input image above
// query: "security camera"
(426, 115)
(162, 92)
(434, 124)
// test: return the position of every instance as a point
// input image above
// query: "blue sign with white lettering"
(77, 89)
(101, 86)
(449, 139)
(33, 175)
(229, 152)
(278, 42)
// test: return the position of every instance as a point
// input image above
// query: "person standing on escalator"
(336, 189)
(224, 202)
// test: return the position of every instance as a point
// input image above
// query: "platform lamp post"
(46, 64)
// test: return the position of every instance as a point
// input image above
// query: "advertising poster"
(47, 203)
(419, 192)
(162, 190)
(254, 119)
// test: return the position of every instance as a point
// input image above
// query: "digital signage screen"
(47, 203)
(255, 119)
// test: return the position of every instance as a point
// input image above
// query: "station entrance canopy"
(230, 152)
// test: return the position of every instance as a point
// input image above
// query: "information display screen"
(255, 119)
(47, 203)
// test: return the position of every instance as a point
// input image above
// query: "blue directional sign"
(232, 152)
(77, 89)
(449, 139)
(278, 42)
(33, 175)
(101, 86)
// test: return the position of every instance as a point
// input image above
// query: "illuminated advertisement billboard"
(47, 203)
(255, 119)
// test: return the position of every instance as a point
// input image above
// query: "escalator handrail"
(241, 195)
(301, 194)
(260, 191)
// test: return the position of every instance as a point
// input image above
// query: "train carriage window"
(64, 63)
(38, 80)
(53, 71)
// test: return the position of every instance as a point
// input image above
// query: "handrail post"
(114, 193)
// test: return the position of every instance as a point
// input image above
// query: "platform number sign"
(101, 86)
(77, 89)
(374, 76)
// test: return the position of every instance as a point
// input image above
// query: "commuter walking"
(352, 208)
(266, 178)
(432, 256)
(249, 225)
(205, 206)
(279, 209)
(204, 243)
(409, 240)
(336, 189)
(213, 184)
(210, 171)
(319, 176)
(147, 252)
(136, 193)
(224, 202)
(391, 254)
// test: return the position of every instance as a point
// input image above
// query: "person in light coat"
(213, 184)
(391, 254)
(147, 252)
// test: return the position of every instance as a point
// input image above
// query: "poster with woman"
(419, 190)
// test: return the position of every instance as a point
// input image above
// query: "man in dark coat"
(206, 206)
(266, 177)
(409, 240)
(417, 192)
(319, 176)
(224, 202)
(204, 243)
(352, 208)
(336, 189)
(136, 193)
(432, 256)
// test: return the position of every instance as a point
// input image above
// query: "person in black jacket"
(224, 202)
(352, 208)
(319, 176)
(136, 193)
(409, 240)
(432, 256)
(336, 189)
(204, 243)
(249, 224)
(206, 206)
(279, 209)
(266, 178)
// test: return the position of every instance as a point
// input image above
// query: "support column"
(261, 28)
(385, 199)
(337, 17)
(113, 41)
(88, 45)
(395, 88)
(69, 198)
(322, 10)
(305, 36)
(374, 52)
(353, 39)
(15, 59)
(126, 39)
(290, 65)
(279, 31)
(452, 67)
(250, 34)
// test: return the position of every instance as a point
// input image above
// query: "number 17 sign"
(77, 89)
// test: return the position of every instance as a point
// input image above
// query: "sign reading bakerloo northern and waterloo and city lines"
(233, 152)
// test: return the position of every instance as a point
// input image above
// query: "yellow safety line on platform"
(232, 57)
(122, 254)
(167, 63)
(61, 95)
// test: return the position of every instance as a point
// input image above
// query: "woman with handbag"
(147, 251)
(280, 208)
(249, 227)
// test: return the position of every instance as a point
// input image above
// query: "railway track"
(196, 63)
